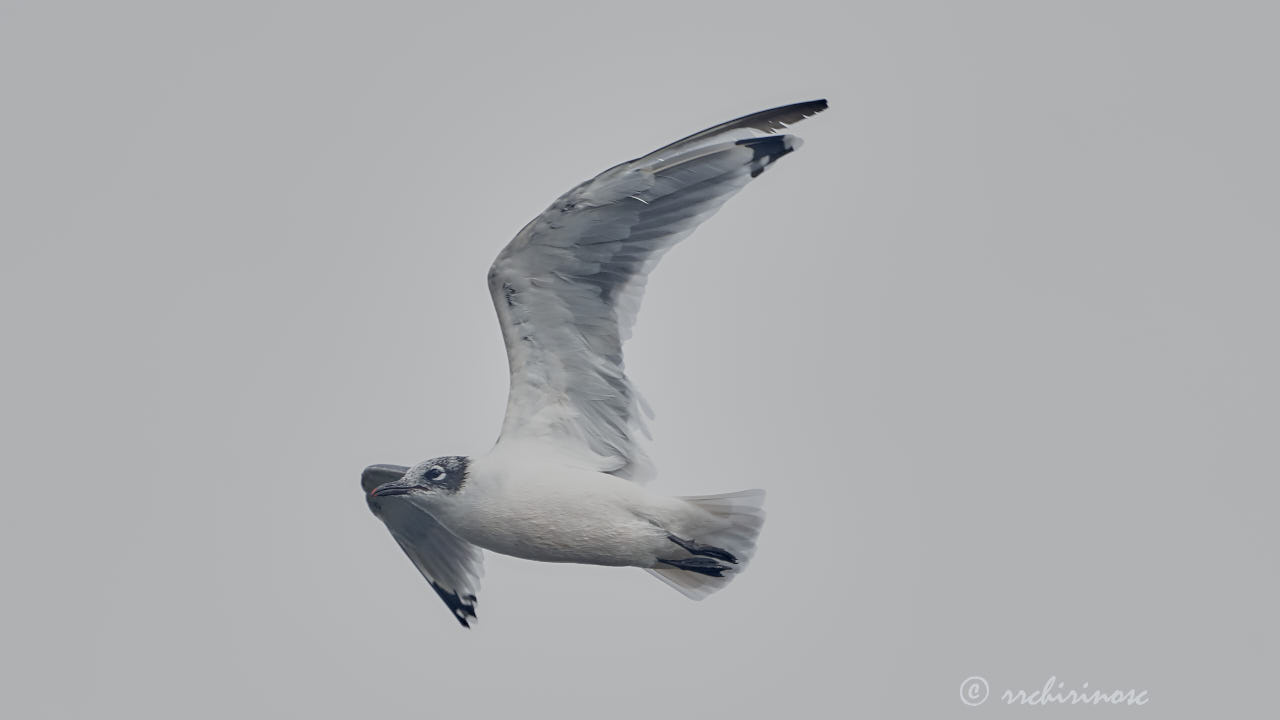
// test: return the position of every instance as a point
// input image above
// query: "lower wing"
(451, 565)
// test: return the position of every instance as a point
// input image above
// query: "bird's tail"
(737, 519)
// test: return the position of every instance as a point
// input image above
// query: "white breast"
(556, 513)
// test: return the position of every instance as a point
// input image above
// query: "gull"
(564, 481)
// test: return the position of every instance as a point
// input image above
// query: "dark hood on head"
(455, 472)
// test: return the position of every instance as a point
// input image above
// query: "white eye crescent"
(435, 473)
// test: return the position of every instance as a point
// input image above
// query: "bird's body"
(546, 510)
(563, 482)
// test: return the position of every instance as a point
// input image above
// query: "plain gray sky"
(1000, 342)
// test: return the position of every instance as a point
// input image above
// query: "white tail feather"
(738, 519)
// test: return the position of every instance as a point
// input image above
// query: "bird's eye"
(435, 473)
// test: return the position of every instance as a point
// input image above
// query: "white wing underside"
(567, 288)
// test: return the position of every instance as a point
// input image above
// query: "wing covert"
(568, 287)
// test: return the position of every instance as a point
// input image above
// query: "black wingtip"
(803, 110)
(765, 121)
(812, 107)
(775, 119)
(463, 607)
(767, 149)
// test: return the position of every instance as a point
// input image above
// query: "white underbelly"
(592, 521)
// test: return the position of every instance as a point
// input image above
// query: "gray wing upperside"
(568, 287)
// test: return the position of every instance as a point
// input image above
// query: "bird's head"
(432, 478)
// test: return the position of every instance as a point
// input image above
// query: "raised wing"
(451, 565)
(568, 287)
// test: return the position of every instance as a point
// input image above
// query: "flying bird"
(564, 481)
